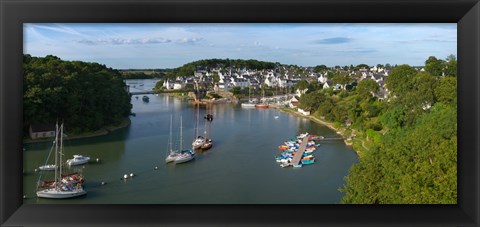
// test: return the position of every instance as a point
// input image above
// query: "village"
(282, 80)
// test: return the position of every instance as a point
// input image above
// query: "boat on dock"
(297, 152)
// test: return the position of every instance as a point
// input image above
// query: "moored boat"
(48, 167)
(261, 106)
(62, 187)
(77, 160)
(185, 155)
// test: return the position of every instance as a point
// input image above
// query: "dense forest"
(411, 138)
(86, 96)
(189, 68)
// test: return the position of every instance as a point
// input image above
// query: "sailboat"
(173, 153)
(60, 188)
(49, 167)
(199, 140)
(262, 105)
(250, 103)
(185, 155)
(208, 142)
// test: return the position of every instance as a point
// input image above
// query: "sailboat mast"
(61, 149)
(56, 153)
(170, 139)
(181, 130)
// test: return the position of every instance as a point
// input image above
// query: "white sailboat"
(250, 103)
(49, 167)
(199, 140)
(185, 155)
(173, 153)
(208, 141)
(60, 189)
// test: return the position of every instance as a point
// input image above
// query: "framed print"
(239, 113)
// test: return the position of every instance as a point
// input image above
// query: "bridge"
(198, 94)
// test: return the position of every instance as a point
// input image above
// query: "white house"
(178, 85)
(304, 112)
(299, 92)
(293, 102)
(322, 79)
(240, 82)
(38, 131)
(327, 84)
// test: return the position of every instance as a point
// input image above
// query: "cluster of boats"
(290, 148)
(199, 143)
(63, 185)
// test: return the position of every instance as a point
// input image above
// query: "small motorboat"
(47, 167)
(77, 160)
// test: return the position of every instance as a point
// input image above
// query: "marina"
(237, 169)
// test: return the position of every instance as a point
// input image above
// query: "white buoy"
(131, 174)
(35, 170)
(103, 183)
(125, 176)
(156, 167)
(24, 196)
(98, 159)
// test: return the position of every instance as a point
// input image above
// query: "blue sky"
(140, 46)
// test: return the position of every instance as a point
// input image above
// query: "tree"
(451, 66)
(366, 88)
(87, 96)
(342, 79)
(301, 85)
(399, 80)
(434, 66)
(320, 68)
(311, 101)
(446, 91)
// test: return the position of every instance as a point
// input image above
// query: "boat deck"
(298, 155)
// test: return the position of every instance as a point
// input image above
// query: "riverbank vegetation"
(86, 96)
(408, 142)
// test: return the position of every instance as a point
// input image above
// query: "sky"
(170, 45)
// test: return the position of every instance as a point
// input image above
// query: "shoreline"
(101, 132)
(321, 122)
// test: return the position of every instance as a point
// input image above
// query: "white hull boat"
(61, 187)
(47, 167)
(248, 105)
(53, 193)
(77, 160)
(186, 156)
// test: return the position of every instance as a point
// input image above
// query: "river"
(239, 169)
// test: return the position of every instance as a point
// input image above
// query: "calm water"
(240, 167)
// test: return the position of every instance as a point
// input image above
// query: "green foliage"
(446, 91)
(414, 165)
(301, 85)
(366, 87)
(434, 66)
(86, 96)
(311, 101)
(320, 68)
(399, 80)
(342, 78)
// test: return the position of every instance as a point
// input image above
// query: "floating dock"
(298, 155)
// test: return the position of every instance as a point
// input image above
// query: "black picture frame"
(466, 13)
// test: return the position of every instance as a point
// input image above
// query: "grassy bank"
(357, 143)
(103, 131)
